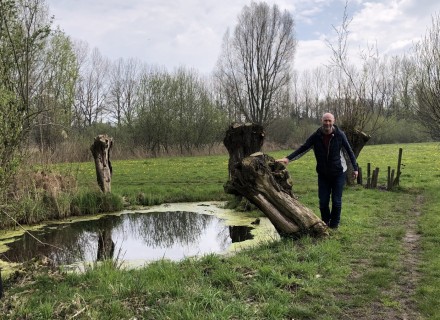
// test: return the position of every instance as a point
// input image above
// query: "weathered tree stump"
(357, 140)
(241, 140)
(267, 184)
(101, 153)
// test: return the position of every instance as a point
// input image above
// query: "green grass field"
(383, 262)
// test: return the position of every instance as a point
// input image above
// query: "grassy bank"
(159, 180)
(383, 262)
(65, 190)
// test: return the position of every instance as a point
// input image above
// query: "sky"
(174, 33)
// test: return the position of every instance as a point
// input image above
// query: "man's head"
(327, 122)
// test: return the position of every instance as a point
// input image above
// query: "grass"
(362, 271)
(89, 203)
(160, 180)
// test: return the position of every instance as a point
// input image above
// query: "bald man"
(329, 144)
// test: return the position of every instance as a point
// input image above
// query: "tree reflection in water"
(136, 236)
(240, 233)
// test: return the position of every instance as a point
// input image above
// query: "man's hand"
(355, 174)
(285, 161)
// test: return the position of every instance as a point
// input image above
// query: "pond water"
(169, 231)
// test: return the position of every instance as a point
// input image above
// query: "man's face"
(327, 122)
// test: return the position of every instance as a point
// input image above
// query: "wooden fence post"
(1, 284)
(374, 178)
(368, 175)
(398, 172)
(389, 182)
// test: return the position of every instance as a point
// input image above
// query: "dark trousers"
(330, 186)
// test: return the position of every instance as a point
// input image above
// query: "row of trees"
(54, 91)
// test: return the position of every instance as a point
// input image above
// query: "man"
(329, 144)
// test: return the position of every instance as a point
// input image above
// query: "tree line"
(57, 94)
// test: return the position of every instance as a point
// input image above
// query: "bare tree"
(222, 95)
(91, 88)
(356, 91)
(362, 92)
(295, 97)
(406, 73)
(428, 79)
(124, 78)
(306, 94)
(255, 65)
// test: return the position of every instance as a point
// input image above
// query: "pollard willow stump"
(267, 184)
(101, 153)
(357, 140)
(241, 140)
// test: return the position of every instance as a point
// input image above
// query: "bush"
(399, 131)
(290, 132)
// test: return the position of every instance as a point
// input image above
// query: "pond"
(173, 231)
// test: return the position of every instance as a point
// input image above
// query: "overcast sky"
(189, 33)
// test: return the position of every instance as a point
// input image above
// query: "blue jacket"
(329, 162)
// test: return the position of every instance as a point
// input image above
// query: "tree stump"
(241, 140)
(101, 153)
(357, 140)
(267, 184)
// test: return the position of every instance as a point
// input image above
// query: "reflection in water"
(135, 236)
(240, 233)
(106, 246)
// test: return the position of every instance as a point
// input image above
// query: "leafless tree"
(124, 78)
(223, 97)
(362, 91)
(295, 110)
(255, 65)
(428, 79)
(356, 88)
(91, 88)
(306, 94)
(406, 75)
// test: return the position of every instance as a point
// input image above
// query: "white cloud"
(190, 32)
(393, 25)
(313, 54)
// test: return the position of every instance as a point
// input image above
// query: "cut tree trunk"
(267, 184)
(101, 153)
(241, 140)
